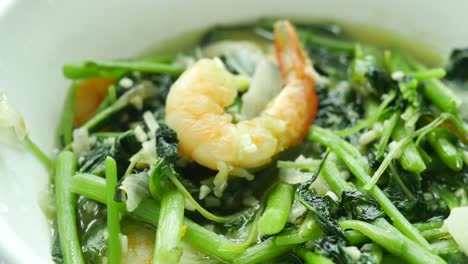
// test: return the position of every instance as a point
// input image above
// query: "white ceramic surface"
(38, 36)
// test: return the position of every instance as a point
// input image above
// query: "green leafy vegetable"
(335, 248)
(166, 143)
(457, 68)
(360, 206)
(325, 210)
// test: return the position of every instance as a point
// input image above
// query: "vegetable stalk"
(276, 212)
(113, 213)
(447, 151)
(65, 167)
(340, 148)
(410, 158)
(94, 187)
(169, 233)
(385, 235)
(310, 257)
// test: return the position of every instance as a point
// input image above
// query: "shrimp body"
(196, 102)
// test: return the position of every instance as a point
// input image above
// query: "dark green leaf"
(166, 143)
(335, 248)
(360, 206)
(457, 68)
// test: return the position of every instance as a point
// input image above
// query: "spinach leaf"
(359, 206)
(335, 248)
(166, 143)
(123, 147)
(93, 160)
(339, 106)
(324, 208)
(457, 67)
(94, 243)
(56, 250)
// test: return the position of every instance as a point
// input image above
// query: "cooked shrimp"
(195, 110)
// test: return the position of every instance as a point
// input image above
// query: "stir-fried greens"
(381, 176)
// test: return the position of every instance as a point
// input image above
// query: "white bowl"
(38, 36)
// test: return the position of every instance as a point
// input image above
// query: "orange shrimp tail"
(294, 63)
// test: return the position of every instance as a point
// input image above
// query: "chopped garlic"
(247, 144)
(147, 153)
(250, 201)
(150, 123)
(398, 75)
(82, 142)
(456, 225)
(220, 180)
(123, 244)
(395, 145)
(137, 102)
(140, 134)
(204, 191)
(294, 176)
(126, 82)
(12, 125)
(136, 187)
(188, 205)
(367, 137)
(333, 196)
(353, 252)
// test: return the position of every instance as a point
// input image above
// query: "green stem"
(386, 134)
(331, 175)
(262, 252)
(445, 247)
(401, 144)
(336, 144)
(107, 134)
(275, 216)
(377, 253)
(310, 257)
(446, 151)
(65, 167)
(142, 91)
(410, 158)
(428, 74)
(389, 238)
(249, 240)
(370, 120)
(400, 182)
(435, 90)
(150, 66)
(113, 213)
(169, 233)
(355, 237)
(428, 226)
(208, 215)
(306, 165)
(94, 187)
(309, 230)
(327, 42)
(40, 155)
(91, 186)
(65, 128)
(97, 119)
(436, 233)
(442, 96)
(116, 68)
(308, 227)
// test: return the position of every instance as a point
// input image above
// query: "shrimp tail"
(291, 58)
(293, 62)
